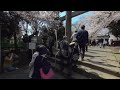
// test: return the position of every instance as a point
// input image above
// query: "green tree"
(9, 22)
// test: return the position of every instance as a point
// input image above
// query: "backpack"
(45, 65)
(46, 71)
(74, 53)
(40, 62)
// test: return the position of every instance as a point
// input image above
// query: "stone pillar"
(0, 48)
(68, 25)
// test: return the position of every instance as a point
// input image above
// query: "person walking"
(94, 43)
(82, 38)
(31, 64)
(104, 43)
(110, 42)
(73, 37)
(100, 43)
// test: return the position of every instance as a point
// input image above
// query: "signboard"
(103, 37)
(34, 39)
(32, 45)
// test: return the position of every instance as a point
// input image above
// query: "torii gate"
(69, 15)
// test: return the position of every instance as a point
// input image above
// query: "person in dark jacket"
(51, 41)
(45, 37)
(82, 37)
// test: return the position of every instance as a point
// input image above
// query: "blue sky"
(75, 19)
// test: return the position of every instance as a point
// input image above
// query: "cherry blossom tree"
(22, 19)
(99, 20)
(38, 19)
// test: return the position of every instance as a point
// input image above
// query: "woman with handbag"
(42, 68)
(31, 64)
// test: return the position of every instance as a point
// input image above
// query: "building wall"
(113, 37)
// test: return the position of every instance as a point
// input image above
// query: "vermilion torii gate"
(69, 15)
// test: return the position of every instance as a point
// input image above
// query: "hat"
(76, 30)
(72, 43)
(64, 37)
(42, 50)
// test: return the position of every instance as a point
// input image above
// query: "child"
(74, 53)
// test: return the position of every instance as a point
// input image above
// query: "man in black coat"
(82, 37)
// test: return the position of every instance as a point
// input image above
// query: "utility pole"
(68, 25)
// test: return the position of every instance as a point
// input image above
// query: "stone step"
(98, 73)
(77, 71)
(74, 75)
(100, 68)
(92, 66)
(23, 73)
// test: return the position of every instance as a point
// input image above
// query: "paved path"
(95, 55)
(103, 57)
(18, 74)
(23, 74)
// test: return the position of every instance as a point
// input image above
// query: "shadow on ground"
(100, 51)
(101, 63)
(86, 55)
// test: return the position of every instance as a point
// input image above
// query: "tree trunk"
(15, 41)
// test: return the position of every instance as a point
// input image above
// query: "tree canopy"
(9, 23)
(98, 20)
(9, 20)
